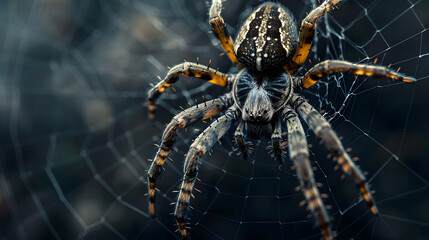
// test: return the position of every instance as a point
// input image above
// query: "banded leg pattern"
(187, 69)
(219, 29)
(323, 129)
(331, 66)
(306, 34)
(202, 144)
(298, 152)
(199, 112)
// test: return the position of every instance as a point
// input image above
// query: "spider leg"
(323, 129)
(276, 140)
(202, 144)
(331, 66)
(299, 154)
(219, 29)
(199, 112)
(306, 34)
(187, 69)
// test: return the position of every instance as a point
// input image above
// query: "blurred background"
(75, 137)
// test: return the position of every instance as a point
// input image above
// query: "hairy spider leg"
(306, 35)
(219, 29)
(202, 144)
(323, 129)
(191, 115)
(298, 152)
(276, 141)
(239, 139)
(331, 66)
(187, 69)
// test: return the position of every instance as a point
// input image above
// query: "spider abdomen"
(267, 39)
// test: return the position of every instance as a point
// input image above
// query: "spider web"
(76, 139)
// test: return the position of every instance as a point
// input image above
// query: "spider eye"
(265, 111)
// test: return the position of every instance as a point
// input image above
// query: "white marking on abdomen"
(260, 41)
(244, 30)
(283, 16)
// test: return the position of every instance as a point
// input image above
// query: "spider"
(268, 51)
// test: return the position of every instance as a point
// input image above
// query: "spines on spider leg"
(312, 194)
(221, 32)
(200, 112)
(202, 144)
(186, 69)
(168, 140)
(323, 129)
(186, 190)
(157, 90)
(348, 166)
(299, 154)
(331, 66)
(306, 34)
(151, 187)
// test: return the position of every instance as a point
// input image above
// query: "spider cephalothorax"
(260, 97)
(263, 99)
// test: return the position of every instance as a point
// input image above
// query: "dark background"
(75, 134)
